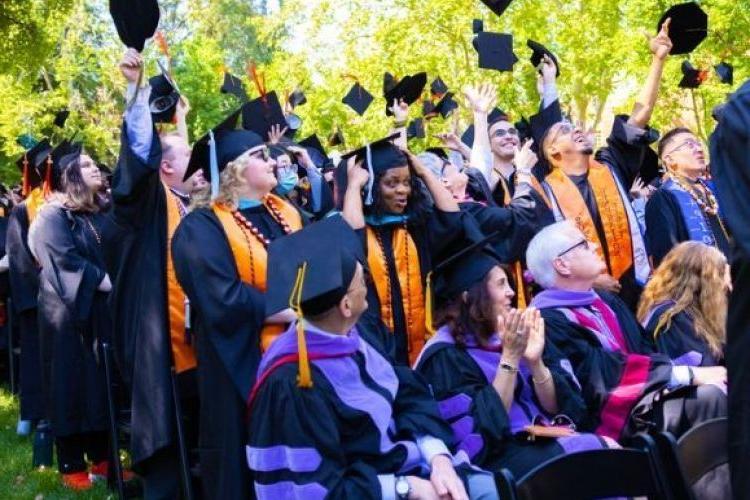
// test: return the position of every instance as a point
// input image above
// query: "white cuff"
(387, 486)
(430, 447)
(549, 94)
(680, 376)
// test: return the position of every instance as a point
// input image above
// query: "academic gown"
(665, 226)
(73, 317)
(730, 166)
(136, 252)
(354, 427)
(432, 239)
(461, 380)
(228, 315)
(679, 340)
(23, 274)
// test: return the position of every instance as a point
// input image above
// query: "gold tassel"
(304, 379)
(521, 293)
(428, 306)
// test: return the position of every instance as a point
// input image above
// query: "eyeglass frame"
(584, 242)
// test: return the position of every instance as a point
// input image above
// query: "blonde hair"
(692, 276)
(231, 183)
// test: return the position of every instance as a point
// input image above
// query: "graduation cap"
(378, 157)
(688, 28)
(234, 86)
(415, 130)
(408, 89)
(438, 87)
(428, 108)
(446, 106)
(316, 151)
(135, 20)
(538, 53)
(358, 98)
(297, 98)
(692, 78)
(477, 26)
(30, 164)
(311, 276)
(495, 51)
(163, 99)
(260, 114)
(493, 117)
(524, 129)
(650, 168)
(389, 81)
(60, 158)
(336, 138)
(725, 71)
(497, 6)
(61, 117)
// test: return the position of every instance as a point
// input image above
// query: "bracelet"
(508, 367)
(544, 380)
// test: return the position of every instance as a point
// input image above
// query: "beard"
(587, 150)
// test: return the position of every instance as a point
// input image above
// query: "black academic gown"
(680, 341)
(24, 288)
(136, 253)
(730, 166)
(228, 315)
(665, 226)
(73, 318)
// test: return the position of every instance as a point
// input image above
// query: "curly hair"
(231, 183)
(472, 314)
(692, 276)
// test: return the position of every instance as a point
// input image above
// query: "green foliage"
(59, 53)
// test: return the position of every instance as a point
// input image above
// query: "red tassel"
(258, 79)
(161, 40)
(25, 184)
(47, 190)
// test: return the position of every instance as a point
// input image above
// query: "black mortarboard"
(408, 89)
(477, 26)
(260, 114)
(336, 138)
(538, 52)
(428, 107)
(378, 157)
(692, 78)
(316, 151)
(163, 99)
(135, 20)
(297, 98)
(497, 6)
(62, 156)
(358, 98)
(439, 152)
(446, 106)
(234, 86)
(61, 117)
(524, 129)
(200, 157)
(649, 166)
(415, 130)
(688, 28)
(313, 142)
(438, 87)
(495, 51)
(31, 164)
(462, 270)
(725, 72)
(389, 81)
(493, 117)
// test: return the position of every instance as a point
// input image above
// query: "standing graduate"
(219, 255)
(729, 162)
(592, 190)
(627, 385)
(74, 318)
(495, 378)
(24, 281)
(147, 303)
(684, 207)
(683, 307)
(330, 417)
(401, 235)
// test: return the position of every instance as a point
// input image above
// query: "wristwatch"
(403, 488)
(508, 367)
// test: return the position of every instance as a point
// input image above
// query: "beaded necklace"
(93, 229)
(247, 226)
(709, 206)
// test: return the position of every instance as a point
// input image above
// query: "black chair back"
(594, 474)
(703, 448)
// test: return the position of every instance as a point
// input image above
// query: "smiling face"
(90, 173)
(504, 139)
(564, 139)
(395, 189)
(683, 153)
(259, 170)
(454, 180)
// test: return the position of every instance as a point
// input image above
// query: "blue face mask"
(245, 203)
(287, 183)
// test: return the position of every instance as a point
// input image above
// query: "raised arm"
(441, 197)
(660, 46)
(353, 211)
(481, 98)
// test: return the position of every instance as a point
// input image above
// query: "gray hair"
(433, 163)
(546, 246)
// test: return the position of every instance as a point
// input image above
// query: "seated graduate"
(685, 206)
(329, 415)
(625, 382)
(684, 305)
(219, 255)
(495, 381)
(401, 233)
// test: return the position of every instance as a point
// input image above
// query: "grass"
(17, 478)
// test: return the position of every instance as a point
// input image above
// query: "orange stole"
(250, 254)
(34, 202)
(611, 210)
(410, 279)
(183, 353)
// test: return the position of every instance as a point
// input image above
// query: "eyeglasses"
(261, 154)
(563, 129)
(583, 243)
(501, 132)
(691, 143)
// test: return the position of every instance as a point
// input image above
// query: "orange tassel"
(25, 184)
(258, 79)
(161, 40)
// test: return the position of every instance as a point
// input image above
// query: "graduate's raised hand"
(548, 69)
(525, 159)
(276, 133)
(661, 44)
(444, 479)
(535, 344)
(400, 110)
(357, 176)
(481, 98)
(515, 336)
(131, 65)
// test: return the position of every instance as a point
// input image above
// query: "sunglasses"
(582, 243)
(501, 132)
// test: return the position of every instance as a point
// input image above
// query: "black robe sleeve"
(664, 225)
(230, 311)
(540, 123)
(309, 430)
(624, 150)
(22, 268)
(74, 278)
(681, 343)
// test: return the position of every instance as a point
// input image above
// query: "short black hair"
(667, 138)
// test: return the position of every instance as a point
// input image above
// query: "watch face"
(402, 487)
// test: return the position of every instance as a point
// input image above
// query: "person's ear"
(345, 307)
(561, 266)
(166, 167)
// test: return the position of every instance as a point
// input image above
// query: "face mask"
(287, 183)
(244, 203)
